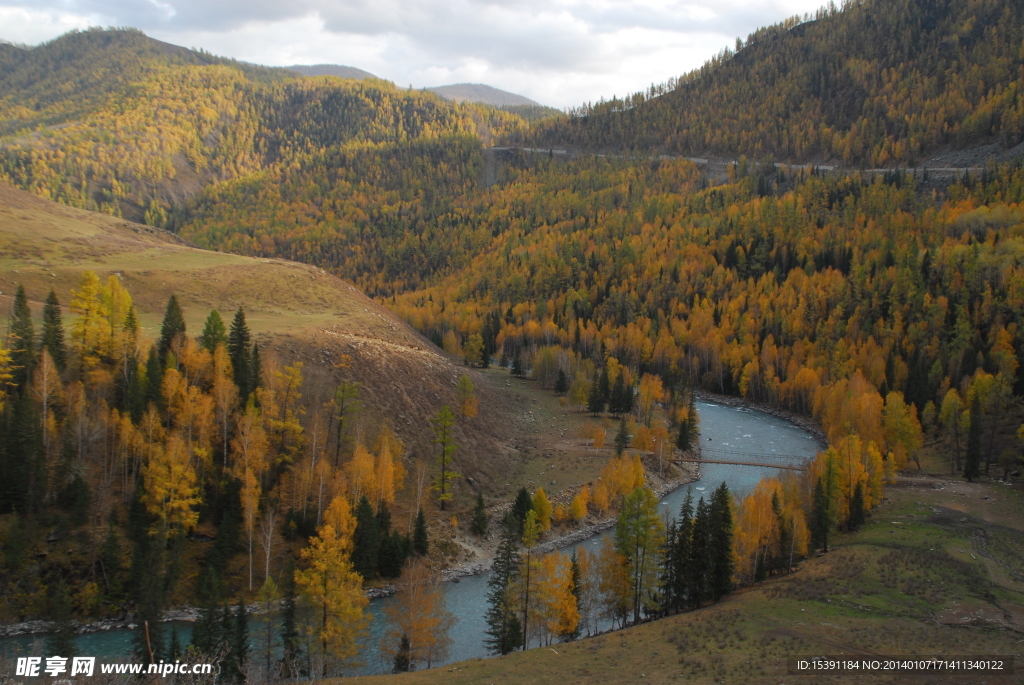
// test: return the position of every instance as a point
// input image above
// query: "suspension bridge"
(773, 460)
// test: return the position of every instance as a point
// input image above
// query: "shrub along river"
(735, 429)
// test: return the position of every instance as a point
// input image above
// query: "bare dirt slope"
(300, 312)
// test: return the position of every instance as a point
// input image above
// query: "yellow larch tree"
(89, 330)
(578, 508)
(649, 394)
(331, 585)
(557, 614)
(361, 474)
(419, 614)
(172, 490)
(542, 505)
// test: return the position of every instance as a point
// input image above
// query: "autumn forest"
(766, 229)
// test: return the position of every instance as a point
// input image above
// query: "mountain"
(338, 70)
(874, 84)
(118, 122)
(484, 94)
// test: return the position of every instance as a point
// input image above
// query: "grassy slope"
(938, 570)
(299, 311)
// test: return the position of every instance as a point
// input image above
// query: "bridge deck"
(792, 462)
(767, 465)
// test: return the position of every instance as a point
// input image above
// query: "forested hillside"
(117, 122)
(875, 84)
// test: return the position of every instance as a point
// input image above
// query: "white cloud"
(559, 52)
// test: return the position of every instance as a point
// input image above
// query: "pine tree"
(504, 632)
(53, 331)
(522, 506)
(173, 325)
(443, 422)
(595, 401)
(517, 366)
(402, 656)
(366, 541)
(561, 383)
(420, 543)
(255, 369)
(291, 644)
(22, 340)
(819, 517)
(206, 631)
(174, 648)
(154, 379)
(239, 346)
(60, 641)
(617, 400)
(972, 465)
(214, 332)
(857, 514)
(621, 437)
(697, 563)
(721, 542)
(478, 525)
(238, 643)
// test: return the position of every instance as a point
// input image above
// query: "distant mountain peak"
(481, 93)
(339, 70)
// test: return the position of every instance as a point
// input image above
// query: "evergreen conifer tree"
(154, 378)
(561, 383)
(403, 658)
(857, 514)
(819, 517)
(22, 340)
(972, 465)
(621, 437)
(214, 332)
(721, 543)
(60, 641)
(239, 349)
(238, 643)
(698, 561)
(521, 507)
(478, 525)
(420, 544)
(595, 401)
(255, 369)
(504, 630)
(291, 644)
(173, 325)
(517, 365)
(53, 331)
(366, 540)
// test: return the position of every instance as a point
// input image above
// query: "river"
(729, 428)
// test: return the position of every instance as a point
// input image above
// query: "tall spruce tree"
(60, 641)
(819, 517)
(972, 465)
(291, 643)
(722, 564)
(420, 544)
(522, 506)
(366, 540)
(504, 630)
(214, 332)
(238, 643)
(53, 331)
(857, 514)
(22, 340)
(239, 349)
(621, 437)
(478, 524)
(697, 563)
(173, 325)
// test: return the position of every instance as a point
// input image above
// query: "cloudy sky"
(558, 52)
